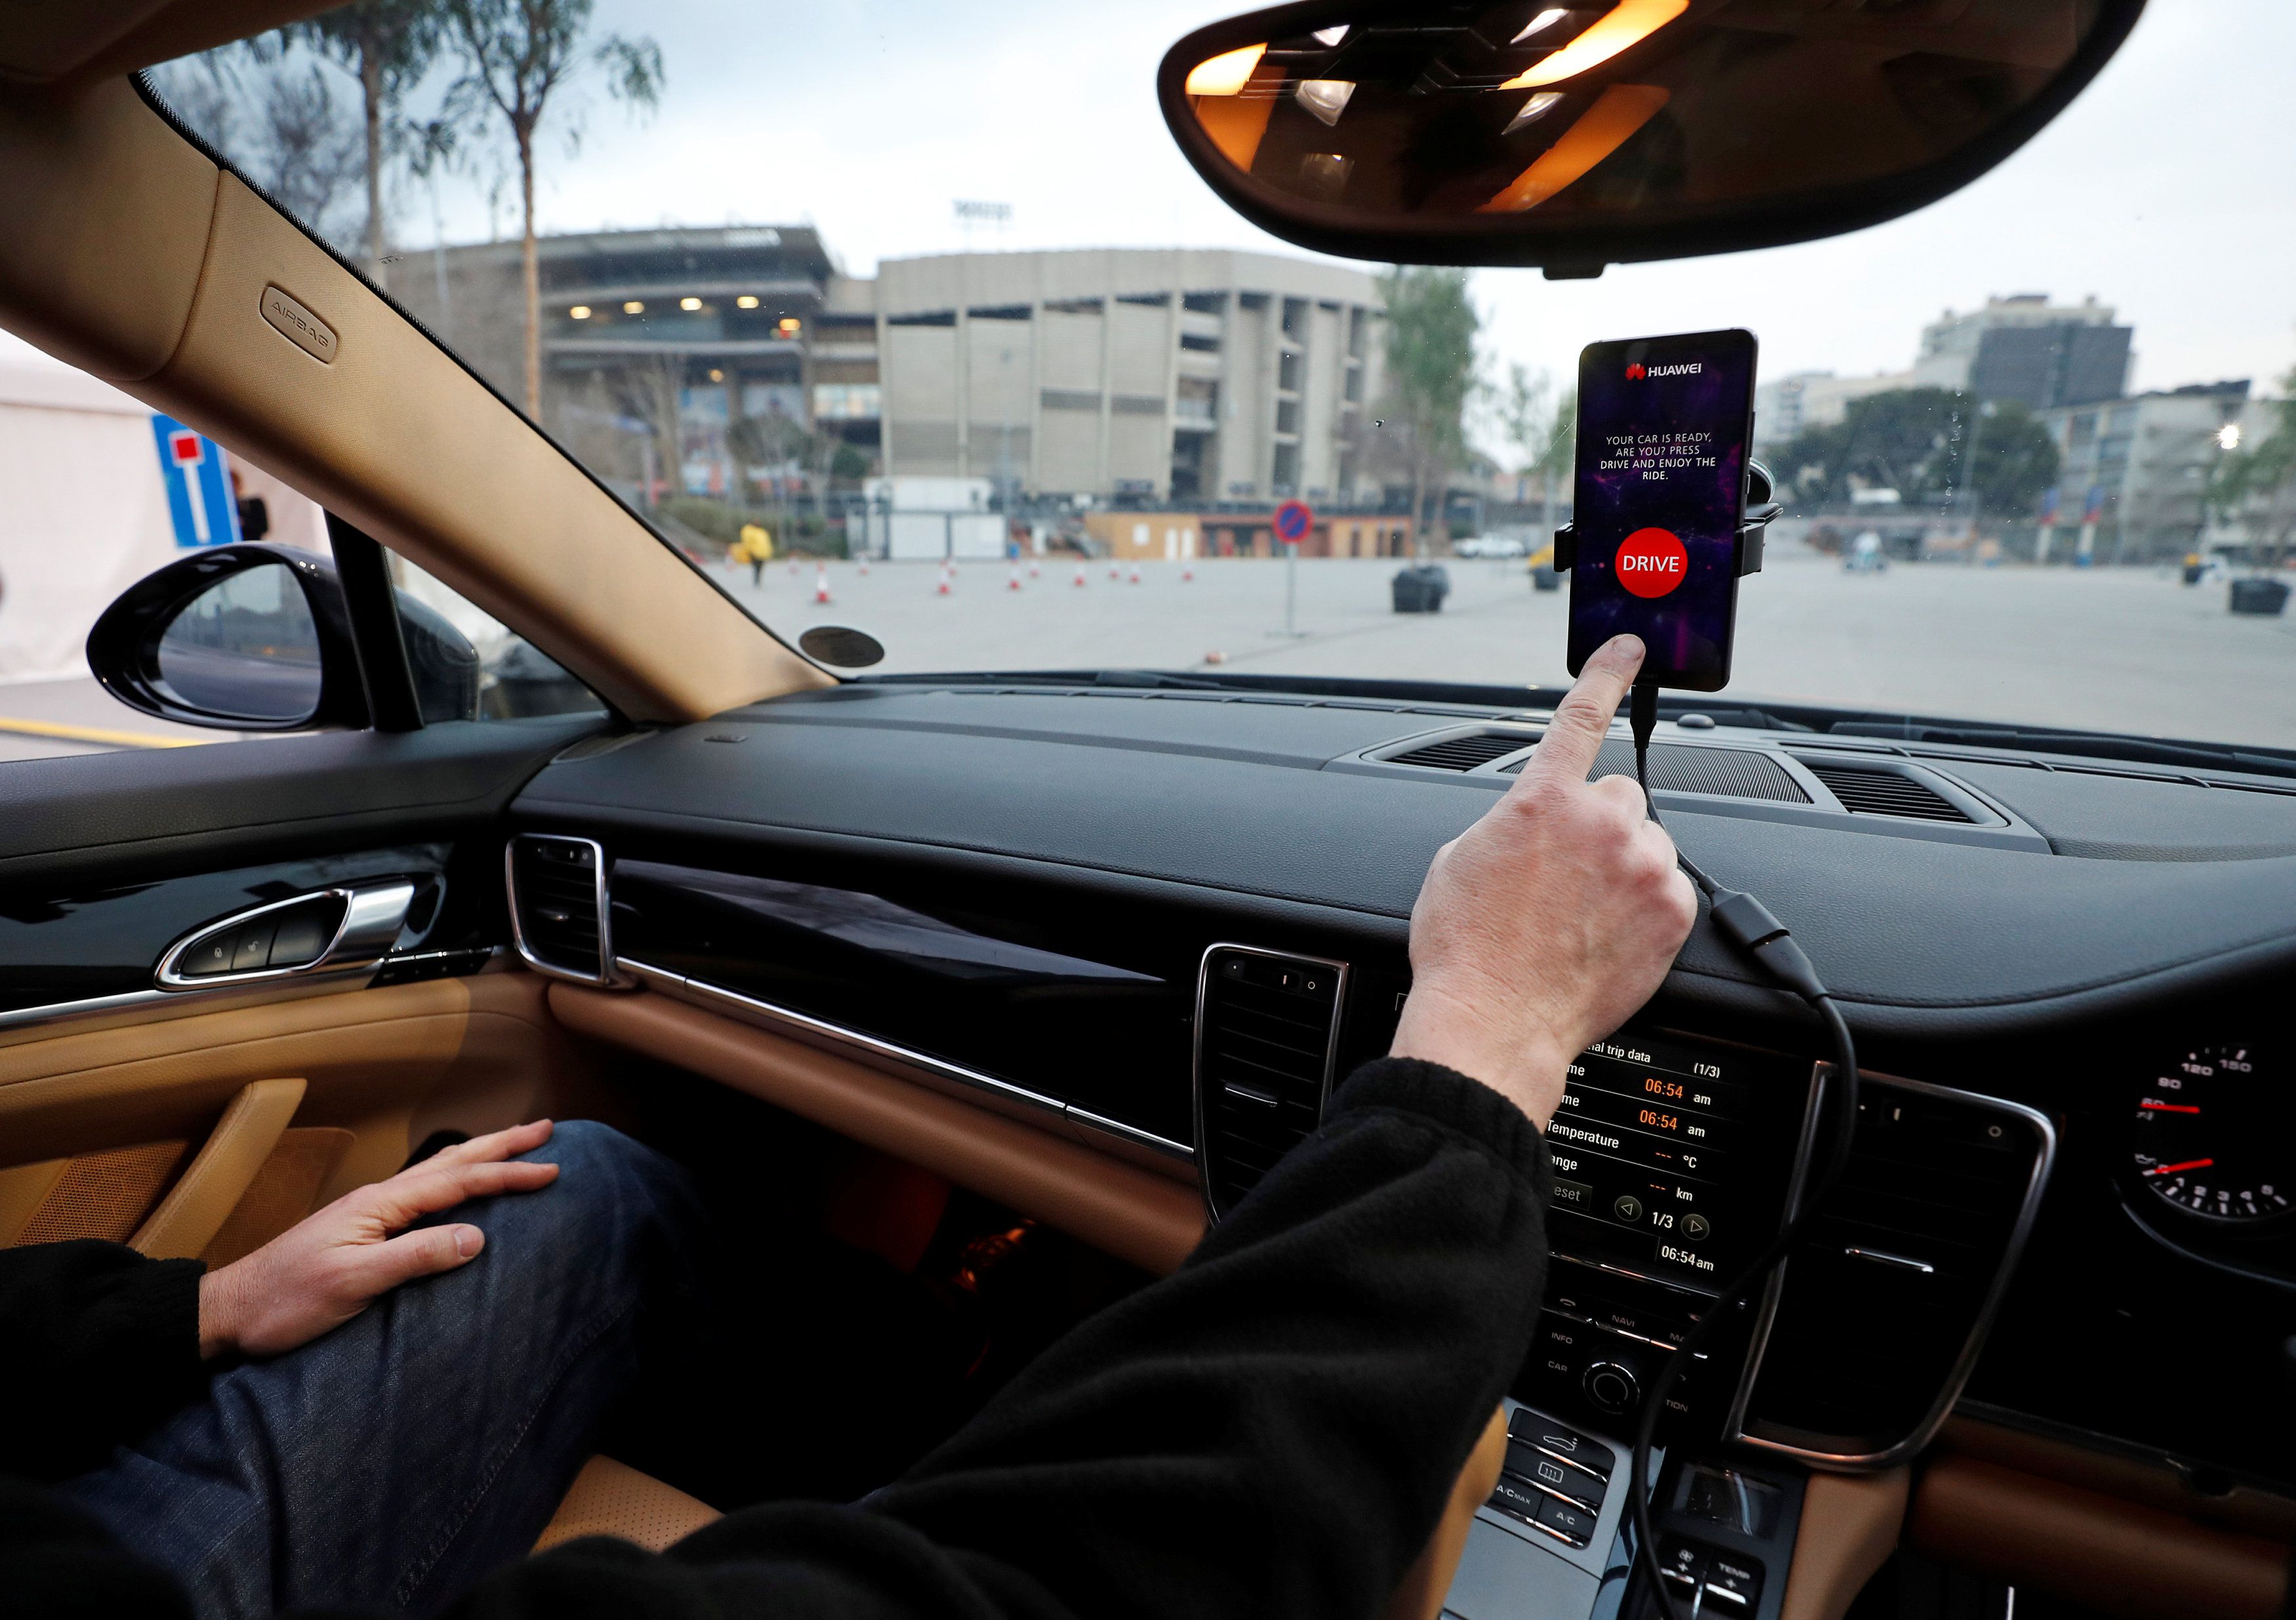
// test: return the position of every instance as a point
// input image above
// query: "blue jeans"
(395, 1461)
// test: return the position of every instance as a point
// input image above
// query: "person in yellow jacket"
(756, 548)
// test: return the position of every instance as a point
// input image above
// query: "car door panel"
(97, 1125)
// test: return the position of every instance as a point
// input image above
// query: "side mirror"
(248, 638)
(1573, 135)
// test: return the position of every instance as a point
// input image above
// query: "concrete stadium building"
(1149, 375)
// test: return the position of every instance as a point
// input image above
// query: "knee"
(611, 1191)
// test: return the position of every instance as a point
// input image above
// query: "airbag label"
(302, 328)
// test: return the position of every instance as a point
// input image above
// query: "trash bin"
(1544, 578)
(1421, 589)
(2264, 597)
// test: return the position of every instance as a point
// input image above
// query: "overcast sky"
(2165, 190)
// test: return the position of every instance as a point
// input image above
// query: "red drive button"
(1652, 563)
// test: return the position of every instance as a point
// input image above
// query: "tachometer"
(2213, 1136)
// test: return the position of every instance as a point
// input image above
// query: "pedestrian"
(254, 511)
(756, 548)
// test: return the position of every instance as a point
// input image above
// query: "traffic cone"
(864, 565)
(821, 584)
(942, 589)
(1015, 582)
(1032, 571)
(1187, 572)
(1135, 573)
(1113, 571)
(1079, 576)
(792, 565)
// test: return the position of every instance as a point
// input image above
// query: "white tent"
(84, 511)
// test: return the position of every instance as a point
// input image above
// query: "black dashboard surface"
(2146, 914)
(2152, 888)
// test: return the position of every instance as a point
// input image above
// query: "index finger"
(1582, 720)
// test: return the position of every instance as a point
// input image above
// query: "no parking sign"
(198, 479)
(1294, 519)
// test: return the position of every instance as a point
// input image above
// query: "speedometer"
(2213, 1136)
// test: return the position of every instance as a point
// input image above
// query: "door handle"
(195, 1209)
(328, 931)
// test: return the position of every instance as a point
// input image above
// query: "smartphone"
(1663, 427)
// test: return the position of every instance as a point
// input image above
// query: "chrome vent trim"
(600, 957)
(1735, 1428)
(1309, 1088)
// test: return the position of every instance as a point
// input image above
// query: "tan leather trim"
(153, 31)
(2108, 1554)
(286, 1189)
(81, 178)
(204, 1196)
(609, 1498)
(1134, 1213)
(390, 1066)
(126, 252)
(2243, 1509)
(23, 1189)
(1428, 1581)
(1849, 1527)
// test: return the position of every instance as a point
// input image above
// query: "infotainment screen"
(1671, 1159)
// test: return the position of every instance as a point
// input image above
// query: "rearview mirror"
(248, 638)
(1520, 132)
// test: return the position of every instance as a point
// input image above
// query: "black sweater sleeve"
(97, 1345)
(1271, 1431)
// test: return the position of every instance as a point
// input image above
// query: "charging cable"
(1750, 925)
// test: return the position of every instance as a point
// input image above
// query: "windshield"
(912, 318)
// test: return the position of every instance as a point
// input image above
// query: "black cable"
(1749, 925)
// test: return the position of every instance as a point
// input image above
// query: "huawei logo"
(1634, 371)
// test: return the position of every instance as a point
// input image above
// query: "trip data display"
(1671, 1158)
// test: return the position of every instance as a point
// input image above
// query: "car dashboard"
(1168, 921)
(1114, 944)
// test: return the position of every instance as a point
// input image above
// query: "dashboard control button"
(1612, 1388)
(1548, 1435)
(1628, 1207)
(1528, 1462)
(210, 955)
(1696, 1227)
(1575, 1524)
(1516, 1499)
(252, 954)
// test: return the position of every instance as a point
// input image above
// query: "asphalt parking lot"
(2123, 650)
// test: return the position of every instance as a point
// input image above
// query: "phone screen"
(1663, 429)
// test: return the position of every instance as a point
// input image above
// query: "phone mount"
(1760, 509)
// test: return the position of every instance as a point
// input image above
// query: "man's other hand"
(1547, 924)
(317, 1275)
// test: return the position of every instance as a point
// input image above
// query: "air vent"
(1266, 1034)
(558, 906)
(1887, 1298)
(1720, 772)
(1878, 791)
(1465, 753)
